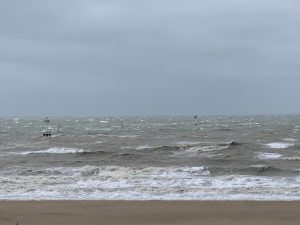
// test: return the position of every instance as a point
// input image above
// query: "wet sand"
(149, 212)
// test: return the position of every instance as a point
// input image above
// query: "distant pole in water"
(122, 124)
(195, 121)
(46, 120)
(58, 127)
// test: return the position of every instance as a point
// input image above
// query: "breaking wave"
(268, 156)
(279, 145)
(57, 150)
(143, 183)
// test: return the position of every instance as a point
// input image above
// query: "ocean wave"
(187, 143)
(290, 139)
(165, 148)
(117, 172)
(268, 156)
(291, 158)
(143, 147)
(206, 148)
(224, 129)
(143, 183)
(56, 150)
(265, 168)
(112, 171)
(233, 143)
(253, 170)
(279, 145)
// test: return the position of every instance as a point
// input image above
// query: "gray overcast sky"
(142, 57)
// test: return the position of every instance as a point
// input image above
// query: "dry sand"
(149, 212)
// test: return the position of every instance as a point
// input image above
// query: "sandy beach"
(149, 212)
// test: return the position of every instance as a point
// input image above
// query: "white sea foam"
(260, 167)
(213, 155)
(143, 147)
(268, 156)
(187, 142)
(290, 139)
(279, 145)
(291, 158)
(192, 151)
(56, 150)
(118, 136)
(127, 136)
(144, 183)
(207, 148)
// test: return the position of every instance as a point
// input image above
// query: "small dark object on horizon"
(46, 120)
(46, 134)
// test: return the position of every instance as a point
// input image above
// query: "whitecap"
(56, 150)
(261, 167)
(290, 139)
(213, 155)
(145, 183)
(187, 142)
(206, 148)
(292, 158)
(127, 136)
(143, 147)
(279, 145)
(268, 156)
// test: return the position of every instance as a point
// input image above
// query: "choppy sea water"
(142, 158)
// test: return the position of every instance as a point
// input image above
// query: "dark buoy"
(196, 121)
(47, 132)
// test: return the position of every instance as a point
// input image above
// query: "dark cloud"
(149, 57)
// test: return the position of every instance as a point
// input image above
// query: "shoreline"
(152, 212)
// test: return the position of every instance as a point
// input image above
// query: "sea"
(151, 158)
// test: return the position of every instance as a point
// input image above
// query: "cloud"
(161, 54)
